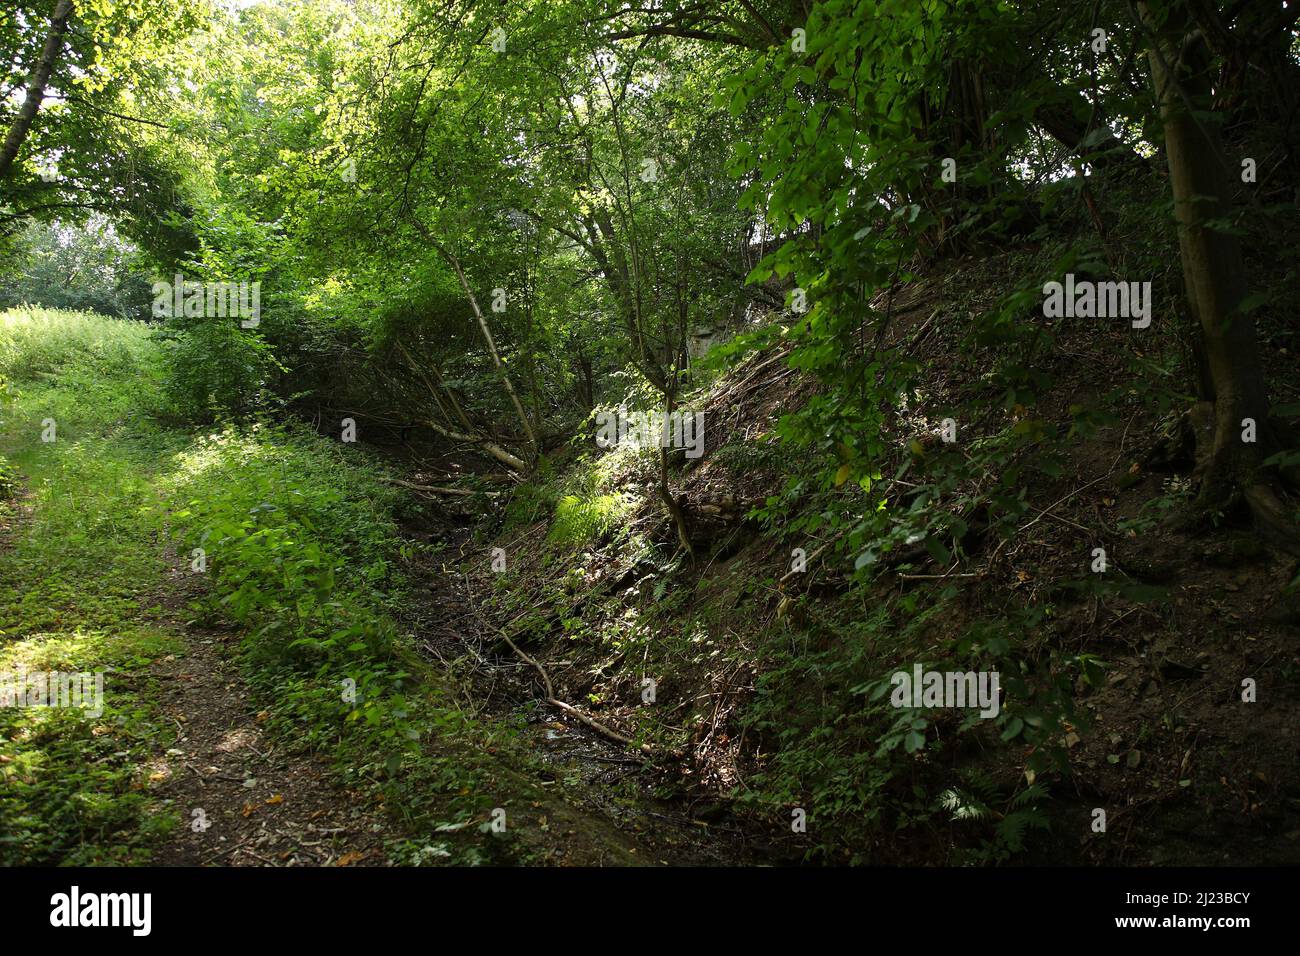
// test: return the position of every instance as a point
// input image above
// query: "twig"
(812, 557)
(230, 849)
(214, 776)
(438, 489)
(1046, 512)
(578, 715)
(647, 749)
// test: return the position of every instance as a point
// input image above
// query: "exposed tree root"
(1272, 519)
(1233, 483)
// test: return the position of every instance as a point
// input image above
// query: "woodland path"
(182, 756)
(184, 742)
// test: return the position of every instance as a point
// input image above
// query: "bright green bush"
(214, 369)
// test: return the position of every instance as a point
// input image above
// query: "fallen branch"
(731, 390)
(924, 330)
(492, 448)
(812, 557)
(438, 489)
(647, 749)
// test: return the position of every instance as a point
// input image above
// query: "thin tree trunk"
(437, 374)
(492, 350)
(492, 448)
(487, 336)
(22, 123)
(673, 506)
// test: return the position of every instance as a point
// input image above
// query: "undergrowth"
(294, 542)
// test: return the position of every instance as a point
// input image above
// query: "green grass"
(302, 553)
(35, 343)
(78, 581)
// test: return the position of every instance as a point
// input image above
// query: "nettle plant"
(314, 632)
(864, 766)
(1036, 716)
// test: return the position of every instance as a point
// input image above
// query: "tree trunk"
(1214, 276)
(670, 503)
(492, 448)
(487, 338)
(1059, 118)
(22, 123)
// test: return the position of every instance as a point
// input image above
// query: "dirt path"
(243, 801)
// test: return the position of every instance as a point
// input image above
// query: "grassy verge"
(78, 589)
(294, 538)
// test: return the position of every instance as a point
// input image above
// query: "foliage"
(215, 369)
(38, 343)
(89, 269)
(474, 226)
(75, 592)
(303, 554)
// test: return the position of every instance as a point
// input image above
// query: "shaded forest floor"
(1185, 770)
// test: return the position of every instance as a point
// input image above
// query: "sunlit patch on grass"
(70, 783)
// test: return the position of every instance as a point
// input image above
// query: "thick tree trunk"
(40, 77)
(586, 384)
(1214, 276)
